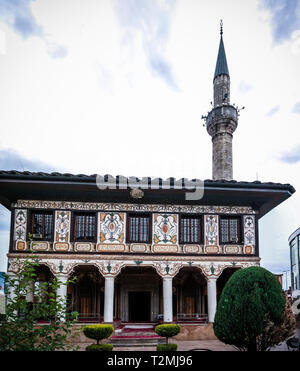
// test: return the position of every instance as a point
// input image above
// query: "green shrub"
(19, 328)
(167, 330)
(98, 332)
(250, 300)
(99, 347)
(166, 347)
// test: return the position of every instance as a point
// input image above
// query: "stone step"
(134, 345)
(133, 341)
(135, 333)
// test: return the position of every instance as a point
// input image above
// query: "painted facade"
(111, 253)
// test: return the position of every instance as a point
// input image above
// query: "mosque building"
(143, 249)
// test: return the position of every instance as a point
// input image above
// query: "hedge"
(99, 347)
(166, 347)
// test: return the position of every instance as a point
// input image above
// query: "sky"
(119, 87)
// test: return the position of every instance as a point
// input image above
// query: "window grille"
(230, 230)
(85, 227)
(139, 228)
(190, 229)
(42, 225)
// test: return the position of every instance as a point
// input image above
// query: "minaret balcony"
(225, 112)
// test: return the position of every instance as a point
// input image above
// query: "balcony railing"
(89, 318)
(192, 317)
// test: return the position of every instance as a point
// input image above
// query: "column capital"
(167, 269)
(212, 278)
(62, 277)
(109, 276)
(109, 269)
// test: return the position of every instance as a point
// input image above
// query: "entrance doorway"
(139, 306)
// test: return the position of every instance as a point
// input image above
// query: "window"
(138, 228)
(190, 229)
(84, 227)
(41, 225)
(230, 230)
(294, 263)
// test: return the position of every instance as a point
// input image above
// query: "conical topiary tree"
(98, 332)
(167, 330)
(250, 300)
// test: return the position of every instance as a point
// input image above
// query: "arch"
(227, 272)
(190, 295)
(75, 265)
(86, 293)
(43, 272)
(138, 291)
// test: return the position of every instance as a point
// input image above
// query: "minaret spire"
(221, 66)
(222, 120)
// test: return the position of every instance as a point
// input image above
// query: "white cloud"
(296, 108)
(152, 19)
(56, 51)
(19, 16)
(244, 87)
(272, 111)
(285, 17)
(2, 43)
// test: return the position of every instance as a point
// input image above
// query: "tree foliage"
(251, 301)
(275, 334)
(20, 328)
(167, 330)
(166, 347)
(98, 332)
(99, 348)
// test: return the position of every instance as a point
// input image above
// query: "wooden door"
(190, 305)
(85, 305)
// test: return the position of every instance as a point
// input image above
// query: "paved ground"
(184, 345)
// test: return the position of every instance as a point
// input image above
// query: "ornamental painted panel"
(231, 249)
(83, 246)
(61, 246)
(111, 227)
(138, 247)
(20, 245)
(111, 248)
(248, 249)
(117, 207)
(62, 226)
(211, 230)
(20, 228)
(39, 245)
(192, 249)
(165, 229)
(212, 249)
(165, 248)
(249, 230)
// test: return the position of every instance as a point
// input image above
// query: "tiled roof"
(172, 182)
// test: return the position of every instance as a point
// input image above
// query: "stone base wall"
(188, 332)
(196, 332)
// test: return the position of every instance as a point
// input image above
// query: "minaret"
(222, 120)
